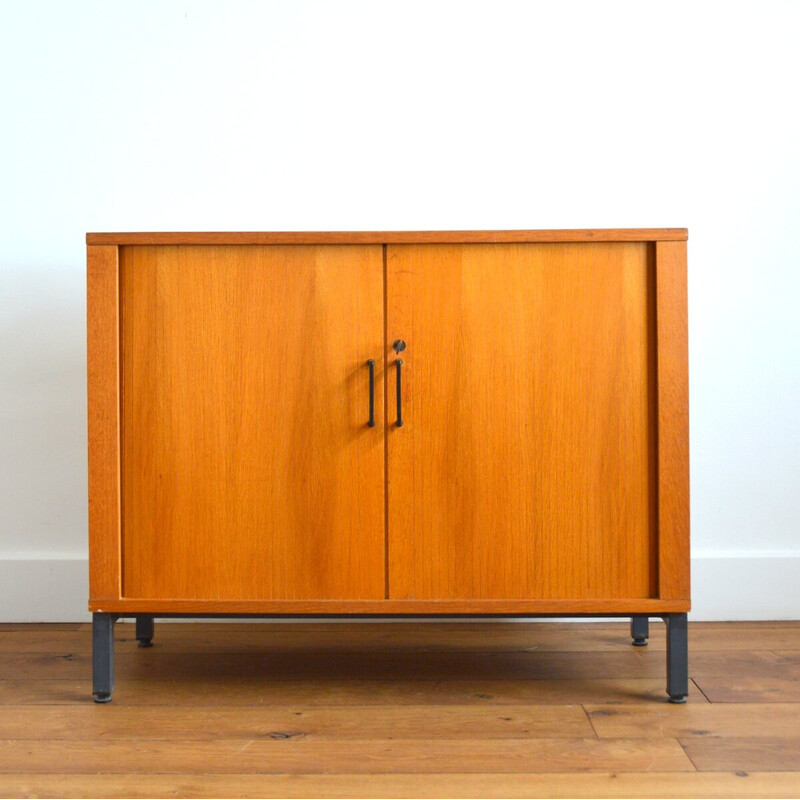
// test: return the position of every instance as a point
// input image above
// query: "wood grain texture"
(26, 627)
(673, 420)
(102, 345)
(731, 688)
(248, 690)
(385, 665)
(571, 325)
(310, 756)
(421, 636)
(489, 785)
(700, 721)
(527, 608)
(235, 731)
(524, 469)
(324, 723)
(744, 753)
(248, 469)
(392, 237)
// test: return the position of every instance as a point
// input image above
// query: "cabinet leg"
(640, 629)
(103, 657)
(144, 630)
(677, 657)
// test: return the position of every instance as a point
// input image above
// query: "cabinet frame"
(672, 460)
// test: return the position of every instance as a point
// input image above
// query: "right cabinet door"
(525, 467)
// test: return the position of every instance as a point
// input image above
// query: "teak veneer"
(460, 423)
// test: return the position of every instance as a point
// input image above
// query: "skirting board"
(724, 587)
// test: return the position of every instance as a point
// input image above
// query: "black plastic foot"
(101, 697)
(144, 630)
(678, 698)
(640, 630)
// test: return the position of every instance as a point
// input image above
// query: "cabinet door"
(525, 465)
(248, 468)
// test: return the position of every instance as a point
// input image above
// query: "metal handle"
(371, 365)
(399, 364)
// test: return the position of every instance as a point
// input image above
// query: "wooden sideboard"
(431, 423)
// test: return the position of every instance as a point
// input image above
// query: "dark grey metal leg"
(103, 656)
(144, 630)
(640, 629)
(677, 657)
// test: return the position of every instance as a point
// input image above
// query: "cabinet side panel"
(102, 307)
(673, 420)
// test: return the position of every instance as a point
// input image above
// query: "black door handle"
(371, 365)
(399, 364)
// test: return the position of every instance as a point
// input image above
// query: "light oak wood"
(461, 637)
(701, 720)
(765, 688)
(744, 753)
(239, 733)
(38, 627)
(248, 469)
(391, 237)
(789, 657)
(489, 785)
(287, 722)
(311, 756)
(102, 344)
(274, 665)
(525, 465)
(244, 690)
(673, 420)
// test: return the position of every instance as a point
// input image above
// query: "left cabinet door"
(248, 468)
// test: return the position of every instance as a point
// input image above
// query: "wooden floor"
(400, 710)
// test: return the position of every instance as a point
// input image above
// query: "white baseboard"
(44, 590)
(742, 586)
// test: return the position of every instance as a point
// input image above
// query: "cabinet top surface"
(393, 237)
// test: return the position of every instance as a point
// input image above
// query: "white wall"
(199, 115)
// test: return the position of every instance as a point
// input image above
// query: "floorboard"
(255, 691)
(314, 756)
(745, 752)
(519, 785)
(648, 720)
(156, 665)
(284, 722)
(431, 709)
(428, 637)
(733, 688)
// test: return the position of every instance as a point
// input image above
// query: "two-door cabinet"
(458, 423)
